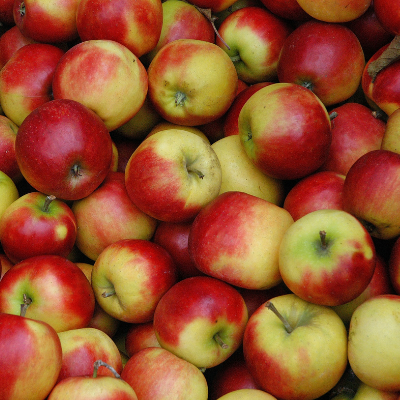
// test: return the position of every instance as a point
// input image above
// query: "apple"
(287, 9)
(48, 22)
(8, 161)
(64, 149)
(247, 394)
(240, 174)
(317, 191)
(370, 192)
(6, 12)
(30, 358)
(130, 276)
(388, 14)
(5, 264)
(295, 349)
(140, 336)
(201, 319)
(394, 265)
(182, 174)
(157, 374)
(220, 16)
(285, 130)
(364, 391)
(52, 289)
(324, 57)
(164, 125)
(391, 135)
(214, 5)
(8, 192)
(106, 77)
(373, 348)
(327, 257)
(253, 38)
(36, 224)
(26, 79)
(191, 82)
(125, 148)
(108, 215)
(135, 24)
(355, 131)
(236, 239)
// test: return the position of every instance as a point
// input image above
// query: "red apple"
(214, 5)
(125, 148)
(287, 9)
(326, 58)
(8, 160)
(6, 12)
(140, 336)
(388, 14)
(64, 149)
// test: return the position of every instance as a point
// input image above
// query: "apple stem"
(27, 302)
(47, 202)
(322, 235)
(108, 294)
(220, 341)
(99, 363)
(197, 172)
(271, 307)
(333, 115)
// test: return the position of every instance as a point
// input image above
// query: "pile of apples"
(199, 200)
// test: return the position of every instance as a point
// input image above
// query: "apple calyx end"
(27, 301)
(100, 363)
(76, 170)
(180, 99)
(47, 202)
(288, 327)
(22, 9)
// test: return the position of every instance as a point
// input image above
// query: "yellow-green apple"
(368, 392)
(240, 174)
(106, 77)
(236, 239)
(64, 149)
(388, 15)
(8, 192)
(355, 131)
(30, 358)
(108, 215)
(391, 135)
(52, 288)
(47, 22)
(379, 284)
(174, 237)
(172, 175)
(82, 347)
(201, 319)
(327, 257)
(317, 191)
(247, 394)
(336, 11)
(130, 276)
(295, 349)
(191, 82)
(181, 20)
(287, 9)
(374, 343)
(6, 12)
(157, 374)
(370, 192)
(255, 37)
(26, 79)
(135, 24)
(394, 265)
(285, 130)
(140, 336)
(214, 5)
(36, 224)
(8, 161)
(325, 58)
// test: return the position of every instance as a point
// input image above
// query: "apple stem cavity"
(24, 306)
(100, 363)
(108, 294)
(47, 202)
(288, 327)
(218, 339)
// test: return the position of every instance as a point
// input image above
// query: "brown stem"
(285, 322)
(108, 294)
(24, 306)
(220, 341)
(47, 202)
(100, 363)
(322, 235)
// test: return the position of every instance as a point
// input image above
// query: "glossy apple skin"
(58, 137)
(290, 120)
(60, 292)
(25, 82)
(326, 58)
(30, 357)
(6, 12)
(355, 131)
(370, 192)
(214, 5)
(8, 161)
(320, 190)
(287, 9)
(388, 14)
(135, 24)
(27, 229)
(140, 336)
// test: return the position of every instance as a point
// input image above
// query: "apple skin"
(64, 149)
(6, 12)
(25, 82)
(47, 22)
(214, 5)
(373, 350)
(176, 90)
(108, 215)
(307, 59)
(230, 237)
(182, 175)
(60, 293)
(332, 270)
(368, 392)
(320, 190)
(390, 140)
(35, 225)
(303, 365)
(157, 374)
(255, 37)
(8, 192)
(5, 264)
(285, 130)
(135, 24)
(195, 314)
(355, 131)
(30, 358)
(370, 192)
(388, 14)
(247, 394)
(115, 88)
(8, 161)
(140, 336)
(287, 9)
